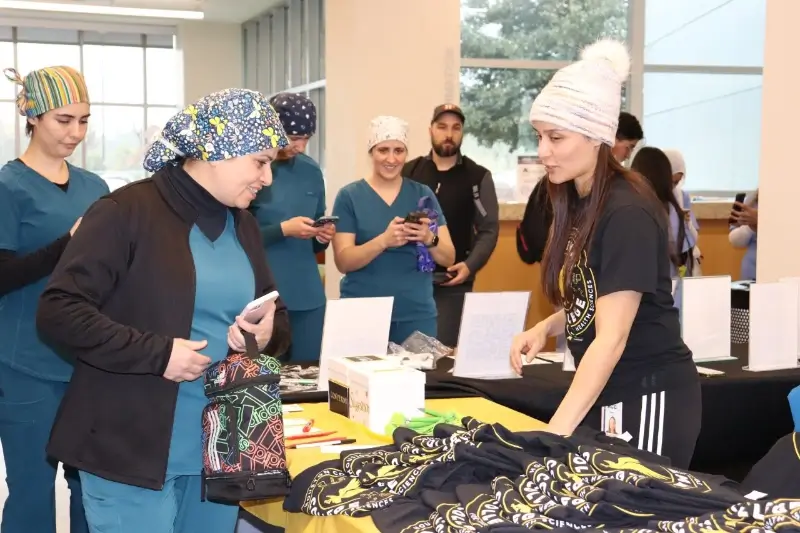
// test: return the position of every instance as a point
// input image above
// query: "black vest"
(457, 190)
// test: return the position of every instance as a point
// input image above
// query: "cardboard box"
(339, 370)
(377, 393)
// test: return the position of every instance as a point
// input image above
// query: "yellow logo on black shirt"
(580, 310)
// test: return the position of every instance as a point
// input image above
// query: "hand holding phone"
(324, 220)
(414, 217)
(737, 208)
(255, 310)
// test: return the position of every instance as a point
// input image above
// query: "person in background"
(655, 167)
(375, 245)
(42, 200)
(744, 233)
(607, 266)
(286, 212)
(144, 314)
(685, 202)
(533, 230)
(466, 192)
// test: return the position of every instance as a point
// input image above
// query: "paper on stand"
(797, 282)
(773, 326)
(489, 322)
(354, 326)
(706, 317)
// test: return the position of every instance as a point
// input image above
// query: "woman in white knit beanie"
(607, 264)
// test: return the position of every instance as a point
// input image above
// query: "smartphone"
(736, 208)
(441, 277)
(321, 221)
(255, 310)
(414, 217)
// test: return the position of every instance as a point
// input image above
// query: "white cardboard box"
(340, 370)
(376, 393)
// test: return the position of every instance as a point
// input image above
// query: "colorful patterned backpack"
(244, 454)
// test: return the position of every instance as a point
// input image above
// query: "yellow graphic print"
(192, 112)
(273, 136)
(352, 489)
(219, 124)
(580, 310)
(631, 464)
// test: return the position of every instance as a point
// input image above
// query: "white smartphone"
(255, 310)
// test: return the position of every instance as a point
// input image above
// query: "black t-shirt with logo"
(629, 252)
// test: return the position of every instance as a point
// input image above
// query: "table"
(744, 413)
(271, 511)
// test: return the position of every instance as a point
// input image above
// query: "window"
(284, 51)
(544, 30)
(714, 119)
(509, 53)
(133, 86)
(705, 32)
(702, 95)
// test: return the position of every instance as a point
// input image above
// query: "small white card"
(489, 322)
(773, 326)
(705, 371)
(354, 326)
(291, 408)
(706, 317)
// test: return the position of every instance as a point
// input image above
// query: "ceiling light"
(85, 9)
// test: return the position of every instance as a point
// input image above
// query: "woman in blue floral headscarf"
(146, 296)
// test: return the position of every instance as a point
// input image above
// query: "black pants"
(449, 306)
(666, 422)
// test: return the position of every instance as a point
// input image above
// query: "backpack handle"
(251, 345)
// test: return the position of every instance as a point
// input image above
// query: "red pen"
(311, 436)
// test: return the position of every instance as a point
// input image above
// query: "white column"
(779, 183)
(387, 57)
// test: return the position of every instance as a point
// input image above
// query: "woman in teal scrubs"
(42, 200)
(286, 212)
(376, 249)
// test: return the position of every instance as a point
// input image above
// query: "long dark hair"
(654, 165)
(575, 218)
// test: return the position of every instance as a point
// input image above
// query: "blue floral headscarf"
(223, 125)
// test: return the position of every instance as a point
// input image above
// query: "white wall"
(211, 58)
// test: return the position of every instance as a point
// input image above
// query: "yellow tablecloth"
(271, 511)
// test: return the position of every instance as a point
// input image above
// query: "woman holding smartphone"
(607, 266)
(744, 232)
(293, 232)
(381, 234)
(146, 313)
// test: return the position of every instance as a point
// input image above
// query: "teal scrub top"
(365, 214)
(225, 284)
(298, 189)
(34, 212)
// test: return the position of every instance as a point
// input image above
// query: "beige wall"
(386, 57)
(211, 57)
(779, 183)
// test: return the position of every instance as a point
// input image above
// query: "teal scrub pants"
(118, 508)
(28, 408)
(306, 334)
(400, 330)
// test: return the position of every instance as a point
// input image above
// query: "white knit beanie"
(585, 97)
(386, 128)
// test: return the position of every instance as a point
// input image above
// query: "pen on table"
(311, 435)
(322, 443)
